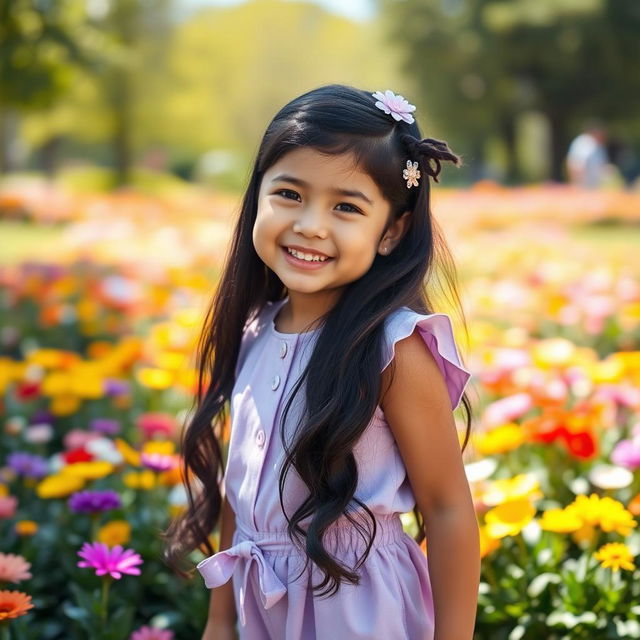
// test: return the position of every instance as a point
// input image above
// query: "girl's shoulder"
(436, 331)
(254, 326)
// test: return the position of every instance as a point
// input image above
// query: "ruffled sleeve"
(437, 332)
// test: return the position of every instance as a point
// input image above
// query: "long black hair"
(342, 380)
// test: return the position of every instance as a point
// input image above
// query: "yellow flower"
(154, 378)
(553, 352)
(499, 440)
(614, 517)
(4, 491)
(523, 485)
(560, 521)
(615, 556)
(88, 470)
(56, 383)
(140, 480)
(87, 385)
(59, 486)
(487, 543)
(163, 447)
(26, 527)
(115, 532)
(130, 455)
(172, 360)
(64, 405)
(606, 513)
(509, 518)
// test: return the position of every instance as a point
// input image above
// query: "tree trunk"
(508, 128)
(559, 146)
(121, 141)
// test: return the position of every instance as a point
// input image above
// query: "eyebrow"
(344, 192)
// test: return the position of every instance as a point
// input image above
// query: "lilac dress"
(394, 598)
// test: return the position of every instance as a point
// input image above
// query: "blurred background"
(127, 132)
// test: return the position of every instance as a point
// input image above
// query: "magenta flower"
(150, 633)
(94, 501)
(627, 453)
(114, 562)
(158, 461)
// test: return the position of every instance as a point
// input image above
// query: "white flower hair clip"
(395, 105)
(411, 174)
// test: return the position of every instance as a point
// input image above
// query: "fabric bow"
(218, 568)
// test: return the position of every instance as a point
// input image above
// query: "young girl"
(341, 382)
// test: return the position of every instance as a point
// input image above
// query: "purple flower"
(28, 464)
(627, 453)
(105, 426)
(114, 562)
(116, 387)
(150, 633)
(94, 501)
(41, 415)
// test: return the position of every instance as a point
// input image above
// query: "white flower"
(608, 476)
(411, 174)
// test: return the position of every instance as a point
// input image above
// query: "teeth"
(306, 256)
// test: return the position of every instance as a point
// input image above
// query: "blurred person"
(587, 158)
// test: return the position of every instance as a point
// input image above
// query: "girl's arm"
(418, 409)
(222, 609)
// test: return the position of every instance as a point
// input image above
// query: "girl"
(341, 383)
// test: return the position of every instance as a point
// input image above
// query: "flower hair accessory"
(411, 174)
(395, 105)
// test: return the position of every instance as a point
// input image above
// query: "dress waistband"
(251, 544)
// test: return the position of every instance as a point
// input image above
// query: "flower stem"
(5, 633)
(104, 604)
(524, 553)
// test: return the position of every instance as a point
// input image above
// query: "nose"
(311, 222)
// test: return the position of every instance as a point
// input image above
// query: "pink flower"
(152, 423)
(158, 461)
(150, 633)
(79, 438)
(627, 453)
(395, 105)
(13, 568)
(8, 506)
(114, 561)
(507, 409)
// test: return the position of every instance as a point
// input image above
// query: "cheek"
(264, 230)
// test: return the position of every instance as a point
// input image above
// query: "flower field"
(97, 346)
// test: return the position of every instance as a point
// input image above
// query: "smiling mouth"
(307, 257)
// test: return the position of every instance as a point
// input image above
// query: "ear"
(394, 234)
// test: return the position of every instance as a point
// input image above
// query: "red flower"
(77, 455)
(27, 390)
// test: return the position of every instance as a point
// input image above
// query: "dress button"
(283, 349)
(275, 382)
(260, 438)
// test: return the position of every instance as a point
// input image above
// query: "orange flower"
(26, 527)
(634, 505)
(14, 604)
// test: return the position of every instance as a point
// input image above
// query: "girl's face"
(321, 206)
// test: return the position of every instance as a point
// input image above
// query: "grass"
(24, 241)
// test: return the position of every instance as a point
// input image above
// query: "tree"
(37, 54)
(481, 63)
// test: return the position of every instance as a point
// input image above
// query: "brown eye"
(287, 191)
(353, 209)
